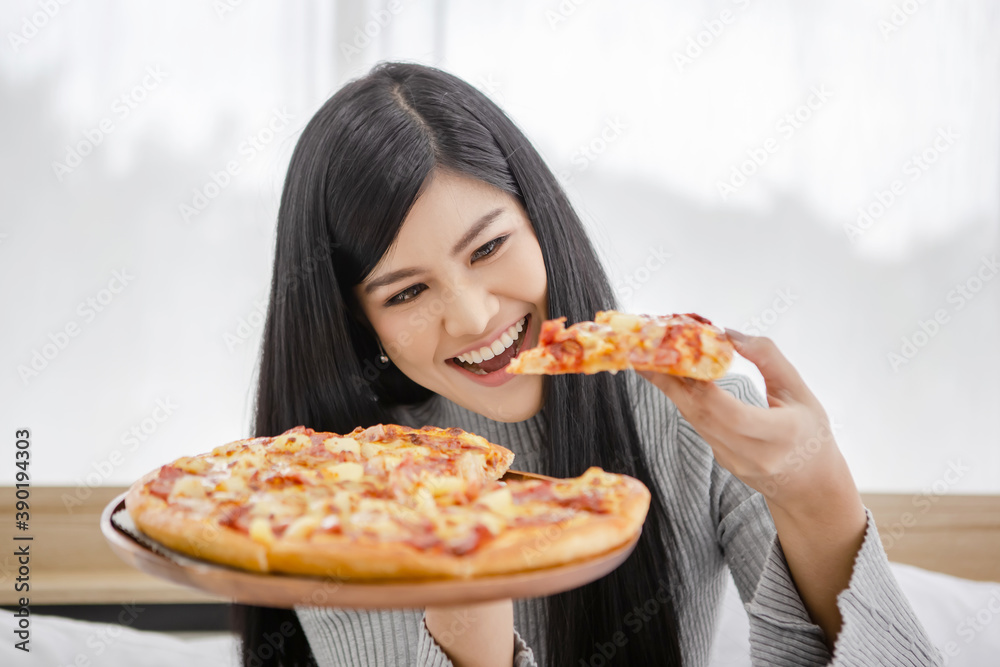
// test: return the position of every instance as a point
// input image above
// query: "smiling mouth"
(476, 362)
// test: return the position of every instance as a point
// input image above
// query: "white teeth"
(486, 353)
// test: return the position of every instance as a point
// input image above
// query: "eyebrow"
(462, 244)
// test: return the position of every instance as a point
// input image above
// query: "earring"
(381, 358)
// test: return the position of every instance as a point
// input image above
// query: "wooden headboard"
(72, 564)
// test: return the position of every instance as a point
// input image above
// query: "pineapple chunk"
(347, 472)
(500, 501)
(290, 443)
(260, 531)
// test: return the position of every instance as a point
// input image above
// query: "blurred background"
(825, 175)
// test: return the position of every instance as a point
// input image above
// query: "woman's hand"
(787, 452)
(479, 635)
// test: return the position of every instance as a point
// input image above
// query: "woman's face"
(449, 296)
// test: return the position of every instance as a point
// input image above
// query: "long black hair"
(355, 173)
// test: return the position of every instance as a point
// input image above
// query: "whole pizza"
(381, 503)
(685, 345)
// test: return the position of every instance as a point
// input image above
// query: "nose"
(471, 310)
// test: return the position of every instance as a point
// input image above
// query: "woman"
(417, 226)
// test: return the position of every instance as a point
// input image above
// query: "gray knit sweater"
(720, 525)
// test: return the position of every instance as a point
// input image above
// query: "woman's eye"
(406, 295)
(489, 248)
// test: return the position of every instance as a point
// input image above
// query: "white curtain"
(826, 175)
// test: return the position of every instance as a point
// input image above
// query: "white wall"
(663, 133)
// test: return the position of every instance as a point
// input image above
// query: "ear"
(358, 315)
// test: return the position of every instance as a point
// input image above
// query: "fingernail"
(735, 336)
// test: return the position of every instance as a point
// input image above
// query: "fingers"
(718, 431)
(782, 380)
(712, 410)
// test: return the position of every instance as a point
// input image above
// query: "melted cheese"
(233, 484)
(472, 466)
(337, 445)
(371, 449)
(383, 463)
(302, 527)
(193, 464)
(188, 486)
(444, 485)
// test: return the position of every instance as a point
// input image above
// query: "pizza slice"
(684, 345)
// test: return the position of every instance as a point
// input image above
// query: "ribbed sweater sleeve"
(879, 625)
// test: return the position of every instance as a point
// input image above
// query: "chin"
(509, 404)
